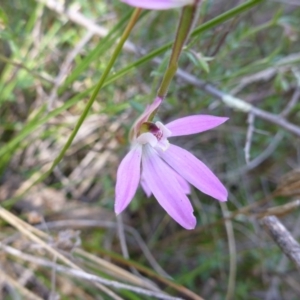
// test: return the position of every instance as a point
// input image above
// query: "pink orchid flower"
(158, 4)
(165, 170)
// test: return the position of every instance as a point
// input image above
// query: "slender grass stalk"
(84, 114)
(232, 254)
(110, 64)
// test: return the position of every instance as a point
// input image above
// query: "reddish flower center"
(152, 128)
(158, 134)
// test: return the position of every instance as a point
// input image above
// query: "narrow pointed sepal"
(194, 124)
(128, 178)
(194, 171)
(170, 194)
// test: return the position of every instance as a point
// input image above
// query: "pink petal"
(128, 177)
(146, 187)
(166, 189)
(158, 4)
(194, 124)
(185, 187)
(194, 171)
(183, 184)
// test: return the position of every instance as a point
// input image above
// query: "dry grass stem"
(283, 238)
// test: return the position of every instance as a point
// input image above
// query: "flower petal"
(165, 131)
(166, 189)
(145, 187)
(183, 184)
(146, 138)
(128, 177)
(158, 4)
(194, 171)
(194, 124)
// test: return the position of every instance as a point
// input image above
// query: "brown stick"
(283, 238)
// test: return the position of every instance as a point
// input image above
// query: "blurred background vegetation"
(52, 53)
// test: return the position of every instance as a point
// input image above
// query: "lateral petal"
(194, 124)
(128, 177)
(194, 171)
(166, 189)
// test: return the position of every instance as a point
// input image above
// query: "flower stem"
(187, 20)
(124, 37)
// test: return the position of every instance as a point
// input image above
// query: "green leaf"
(199, 60)
(3, 19)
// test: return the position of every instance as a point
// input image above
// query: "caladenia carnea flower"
(158, 4)
(165, 170)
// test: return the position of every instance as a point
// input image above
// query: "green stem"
(124, 37)
(186, 23)
(202, 28)
(226, 16)
(110, 64)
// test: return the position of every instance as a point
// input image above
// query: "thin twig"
(280, 210)
(249, 135)
(232, 253)
(65, 68)
(20, 65)
(238, 104)
(294, 100)
(283, 238)
(280, 268)
(260, 158)
(116, 270)
(83, 275)
(97, 223)
(28, 230)
(122, 239)
(83, 21)
(120, 227)
(26, 293)
(53, 279)
(136, 235)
